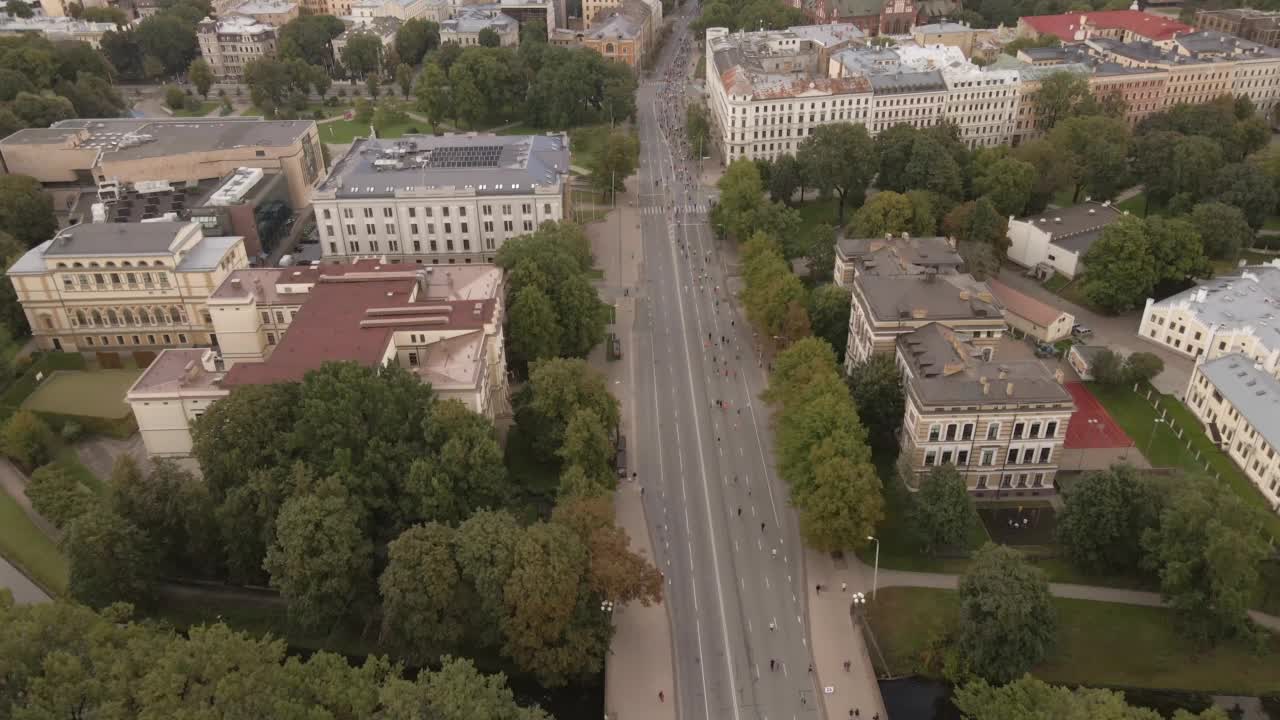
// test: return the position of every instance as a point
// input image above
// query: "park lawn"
(205, 108)
(344, 132)
(29, 549)
(819, 211)
(1163, 448)
(1097, 644)
(586, 142)
(96, 393)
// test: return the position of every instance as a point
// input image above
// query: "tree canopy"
(1007, 622)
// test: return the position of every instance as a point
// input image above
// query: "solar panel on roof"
(468, 156)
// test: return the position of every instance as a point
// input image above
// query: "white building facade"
(445, 200)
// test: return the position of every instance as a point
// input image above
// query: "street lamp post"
(875, 573)
(859, 605)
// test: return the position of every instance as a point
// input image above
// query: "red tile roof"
(1024, 305)
(335, 322)
(1147, 25)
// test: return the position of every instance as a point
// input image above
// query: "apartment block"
(440, 200)
(1229, 314)
(1001, 424)
(230, 43)
(1238, 401)
(902, 254)
(104, 154)
(56, 29)
(1259, 26)
(465, 27)
(277, 324)
(124, 287)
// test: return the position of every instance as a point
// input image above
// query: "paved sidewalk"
(640, 664)
(836, 639)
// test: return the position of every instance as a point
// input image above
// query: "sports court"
(1091, 426)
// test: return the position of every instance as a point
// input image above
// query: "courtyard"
(94, 393)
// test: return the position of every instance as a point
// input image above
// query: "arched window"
(128, 317)
(608, 48)
(93, 264)
(110, 264)
(126, 263)
(112, 317)
(144, 315)
(77, 264)
(161, 317)
(62, 265)
(80, 318)
(177, 315)
(97, 318)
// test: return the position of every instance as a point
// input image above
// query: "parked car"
(1080, 330)
(620, 460)
(1046, 350)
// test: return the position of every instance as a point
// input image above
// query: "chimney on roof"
(1008, 389)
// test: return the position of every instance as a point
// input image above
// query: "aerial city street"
(661, 359)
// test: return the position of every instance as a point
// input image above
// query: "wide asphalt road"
(724, 534)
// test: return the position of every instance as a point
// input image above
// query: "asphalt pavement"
(723, 532)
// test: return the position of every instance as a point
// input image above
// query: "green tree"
(362, 55)
(933, 167)
(1007, 622)
(174, 97)
(1206, 550)
(942, 512)
(421, 591)
(57, 495)
(1106, 514)
(786, 176)
(1223, 229)
(697, 125)
(1177, 250)
(13, 82)
(980, 259)
(461, 471)
(105, 14)
(616, 161)
(169, 38)
(432, 91)
(533, 333)
(1055, 170)
(172, 509)
(886, 213)
(488, 37)
(18, 8)
(41, 109)
(415, 38)
(1142, 367)
(321, 559)
(829, 315)
(1120, 266)
(1029, 697)
(1247, 187)
(978, 222)
(459, 692)
(485, 553)
(1007, 184)
(533, 32)
(741, 191)
(1098, 148)
(308, 38)
(614, 572)
(840, 158)
(925, 207)
(404, 79)
(587, 444)
(27, 440)
(372, 85)
(876, 387)
(268, 80)
(893, 149)
(845, 504)
(558, 389)
(1062, 95)
(109, 560)
(201, 75)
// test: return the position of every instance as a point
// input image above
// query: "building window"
(935, 432)
(993, 430)
(1012, 459)
(1044, 455)
(181, 338)
(988, 456)
(271, 338)
(1051, 429)
(967, 432)
(1035, 430)
(1017, 431)
(413, 358)
(930, 458)
(951, 432)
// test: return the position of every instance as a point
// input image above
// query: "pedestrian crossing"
(692, 209)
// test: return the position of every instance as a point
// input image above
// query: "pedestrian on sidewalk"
(844, 586)
(761, 527)
(739, 512)
(847, 664)
(772, 626)
(661, 696)
(810, 667)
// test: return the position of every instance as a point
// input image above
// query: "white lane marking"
(766, 582)
(715, 553)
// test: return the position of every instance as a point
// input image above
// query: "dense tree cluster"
(773, 297)
(161, 45)
(42, 82)
(67, 661)
(942, 513)
(1202, 545)
(753, 15)
(1029, 697)
(1007, 622)
(547, 86)
(822, 449)
(554, 309)
(1113, 368)
(876, 386)
(372, 499)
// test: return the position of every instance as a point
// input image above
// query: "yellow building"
(75, 155)
(623, 33)
(124, 287)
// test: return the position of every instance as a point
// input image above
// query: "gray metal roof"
(131, 138)
(471, 20)
(948, 369)
(207, 253)
(1076, 228)
(1253, 392)
(115, 239)
(940, 297)
(898, 255)
(1249, 297)
(907, 82)
(485, 164)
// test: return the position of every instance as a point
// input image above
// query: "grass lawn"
(343, 132)
(1136, 205)
(585, 143)
(205, 108)
(97, 393)
(1056, 283)
(898, 544)
(1097, 644)
(1163, 448)
(23, 545)
(817, 212)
